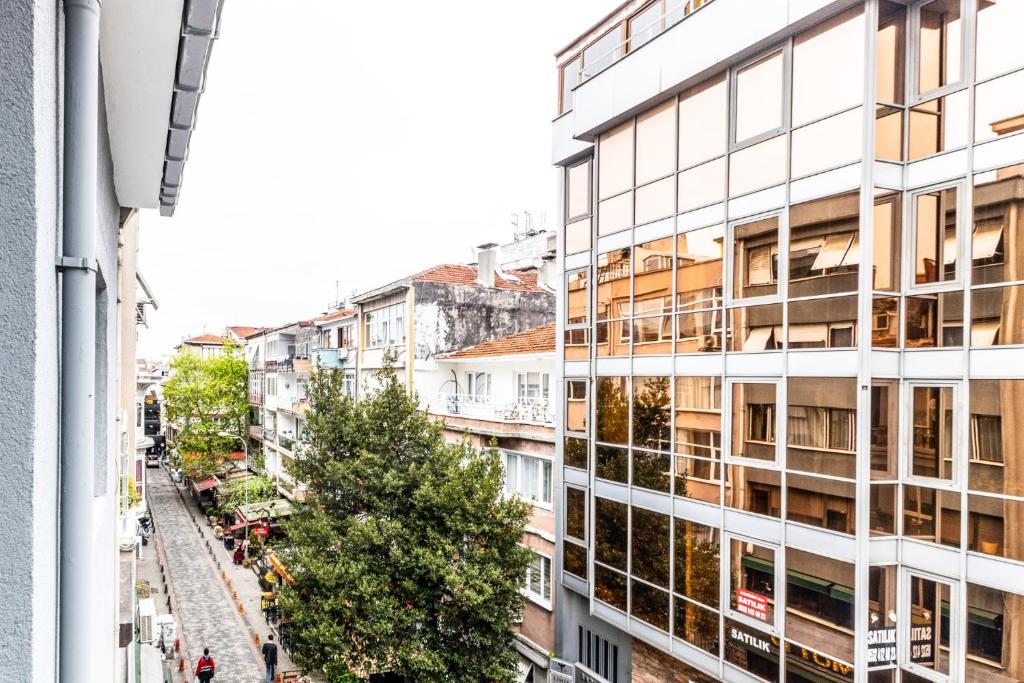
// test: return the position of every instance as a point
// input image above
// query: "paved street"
(205, 611)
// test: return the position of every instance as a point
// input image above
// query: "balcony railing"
(285, 443)
(521, 409)
(256, 432)
(330, 358)
(285, 363)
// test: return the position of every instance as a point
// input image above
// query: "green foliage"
(260, 488)
(203, 397)
(407, 558)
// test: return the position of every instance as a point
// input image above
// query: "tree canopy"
(202, 398)
(406, 559)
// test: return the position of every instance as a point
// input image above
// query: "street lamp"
(245, 449)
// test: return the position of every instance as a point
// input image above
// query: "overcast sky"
(345, 142)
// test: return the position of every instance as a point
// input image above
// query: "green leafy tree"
(202, 398)
(407, 557)
(259, 489)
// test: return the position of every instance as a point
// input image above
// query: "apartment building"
(500, 392)
(791, 313)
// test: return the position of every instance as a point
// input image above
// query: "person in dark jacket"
(206, 667)
(270, 658)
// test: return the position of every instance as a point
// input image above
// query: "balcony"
(269, 435)
(283, 364)
(285, 443)
(523, 410)
(331, 358)
(256, 432)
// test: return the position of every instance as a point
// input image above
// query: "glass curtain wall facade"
(793, 356)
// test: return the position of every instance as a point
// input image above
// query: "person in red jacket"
(206, 667)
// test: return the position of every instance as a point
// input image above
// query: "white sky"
(347, 142)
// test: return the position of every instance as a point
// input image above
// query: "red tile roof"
(538, 340)
(454, 274)
(334, 315)
(207, 339)
(243, 331)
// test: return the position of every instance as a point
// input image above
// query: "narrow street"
(203, 605)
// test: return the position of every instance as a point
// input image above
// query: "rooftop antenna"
(337, 295)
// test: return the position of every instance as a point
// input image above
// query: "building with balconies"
(500, 392)
(789, 247)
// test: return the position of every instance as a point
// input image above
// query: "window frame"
(518, 487)
(546, 572)
(903, 654)
(587, 160)
(778, 570)
(588, 318)
(778, 418)
(786, 50)
(913, 76)
(955, 482)
(781, 280)
(910, 240)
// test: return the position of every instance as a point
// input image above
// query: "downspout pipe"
(78, 339)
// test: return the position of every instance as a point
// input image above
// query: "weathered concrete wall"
(450, 317)
(29, 225)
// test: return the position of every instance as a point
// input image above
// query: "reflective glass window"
(753, 420)
(652, 419)
(615, 214)
(884, 428)
(997, 240)
(703, 122)
(577, 199)
(652, 336)
(700, 478)
(610, 587)
(612, 339)
(824, 245)
(883, 509)
(656, 200)
(699, 332)
(752, 650)
(754, 489)
(931, 515)
(576, 297)
(576, 405)
(696, 625)
(828, 67)
(610, 533)
(998, 48)
(652, 278)
(702, 185)
(935, 235)
(577, 236)
(927, 631)
(611, 463)
(996, 316)
(888, 133)
(885, 322)
(999, 107)
(576, 513)
(602, 53)
(821, 425)
(823, 323)
(656, 142)
(614, 270)
(612, 410)
(820, 604)
(935, 320)
(697, 562)
(756, 328)
(755, 252)
(890, 60)
(650, 546)
(652, 470)
(577, 344)
(759, 97)
(826, 503)
(933, 445)
(827, 144)
(570, 79)
(994, 636)
(752, 580)
(940, 39)
(644, 25)
(649, 604)
(758, 167)
(996, 447)
(699, 268)
(574, 559)
(887, 241)
(615, 160)
(937, 125)
(575, 453)
(993, 526)
(882, 612)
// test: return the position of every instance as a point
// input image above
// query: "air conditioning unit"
(147, 620)
(710, 342)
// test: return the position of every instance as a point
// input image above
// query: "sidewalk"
(246, 586)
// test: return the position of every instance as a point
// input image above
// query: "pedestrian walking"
(270, 658)
(206, 667)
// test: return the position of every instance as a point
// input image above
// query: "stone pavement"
(201, 602)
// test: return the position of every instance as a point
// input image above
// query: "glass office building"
(792, 336)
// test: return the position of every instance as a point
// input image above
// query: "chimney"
(547, 277)
(487, 264)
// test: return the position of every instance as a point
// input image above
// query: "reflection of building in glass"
(804, 334)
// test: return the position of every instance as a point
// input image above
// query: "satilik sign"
(752, 604)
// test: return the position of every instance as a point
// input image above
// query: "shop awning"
(279, 567)
(206, 484)
(272, 509)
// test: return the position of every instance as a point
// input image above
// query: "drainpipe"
(78, 338)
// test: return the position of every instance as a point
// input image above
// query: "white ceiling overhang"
(154, 55)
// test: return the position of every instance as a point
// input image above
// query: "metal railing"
(520, 409)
